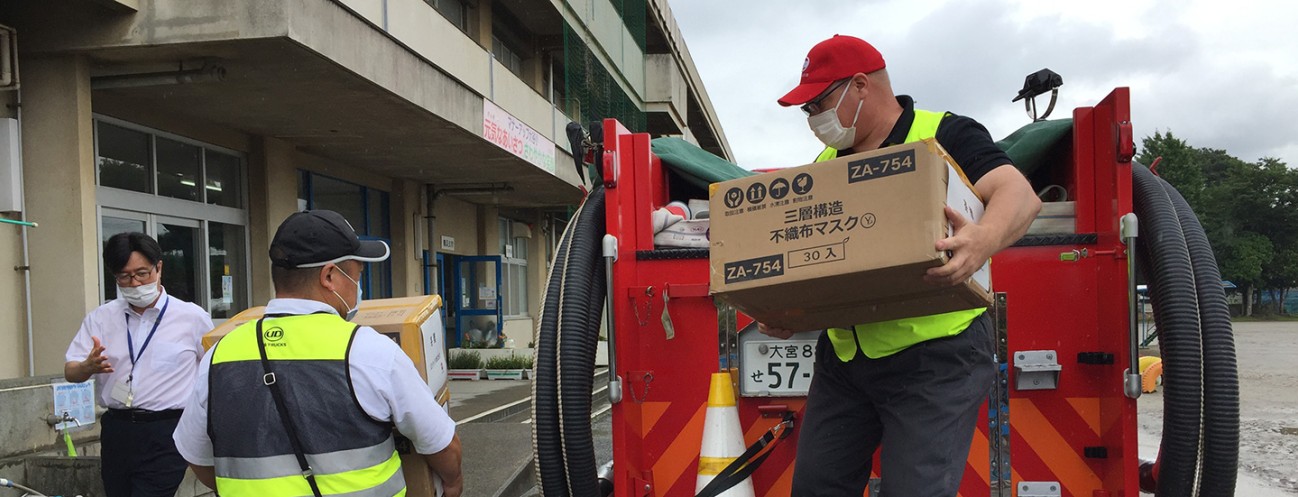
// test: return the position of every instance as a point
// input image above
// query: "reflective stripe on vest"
(886, 338)
(350, 453)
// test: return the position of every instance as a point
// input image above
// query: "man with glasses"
(302, 402)
(912, 385)
(142, 349)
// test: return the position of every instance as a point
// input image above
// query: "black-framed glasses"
(812, 107)
(139, 276)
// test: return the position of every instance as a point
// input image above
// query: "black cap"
(319, 237)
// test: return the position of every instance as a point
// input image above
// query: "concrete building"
(206, 123)
(436, 125)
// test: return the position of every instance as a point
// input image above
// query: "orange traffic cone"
(723, 439)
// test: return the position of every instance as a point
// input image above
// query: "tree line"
(1249, 211)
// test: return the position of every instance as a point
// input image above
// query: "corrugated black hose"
(1165, 262)
(547, 443)
(1220, 371)
(567, 336)
(581, 307)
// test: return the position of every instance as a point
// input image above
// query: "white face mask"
(351, 311)
(831, 132)
(139, 296)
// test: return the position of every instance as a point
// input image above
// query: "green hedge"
(464, 359)
(509, 362)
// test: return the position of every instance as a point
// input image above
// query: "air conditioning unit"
(8, 58)
(11, 185)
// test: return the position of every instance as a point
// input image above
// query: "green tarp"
(1029, 147)
(695, 165)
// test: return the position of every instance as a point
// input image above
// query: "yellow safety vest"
(886, 338)
(349, 452)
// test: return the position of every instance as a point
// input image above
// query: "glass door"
(113, 222)
(181, 243)
(478, 310)
(227, 269)
(204, 262)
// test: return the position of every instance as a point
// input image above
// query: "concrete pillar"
(272, 196)
(59, 177)
(408, 229)
(13, 323)
(537, 267)
(488, 230)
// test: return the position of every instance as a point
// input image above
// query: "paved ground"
(493, 450)
(495, 427)
(1268, 410)
(1268, 395)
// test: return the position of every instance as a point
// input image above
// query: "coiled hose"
(567, 335)
(1220, 371)
(547, 444)
(1200, 446)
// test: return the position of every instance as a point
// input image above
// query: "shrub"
(464, 359)
(509, 362)
(524, 362)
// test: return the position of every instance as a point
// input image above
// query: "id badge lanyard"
(135, 356)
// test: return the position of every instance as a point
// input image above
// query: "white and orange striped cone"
(723, 439)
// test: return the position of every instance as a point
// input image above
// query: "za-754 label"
(881, 166)
(752, 269)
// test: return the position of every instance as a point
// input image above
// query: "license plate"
(777, 368)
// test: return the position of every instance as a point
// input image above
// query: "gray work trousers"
(921, 403)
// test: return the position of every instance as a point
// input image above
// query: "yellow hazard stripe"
(676, 458)
(712, 466)
(1041, 437)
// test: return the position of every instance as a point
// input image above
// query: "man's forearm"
(205, 475)
(74, 372)
(1009, 214)
(446, 463)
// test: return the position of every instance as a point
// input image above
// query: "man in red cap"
(913, 385)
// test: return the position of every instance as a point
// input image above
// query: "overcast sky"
(1217, 74)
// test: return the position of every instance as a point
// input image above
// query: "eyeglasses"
(812, 107)
(139, 276)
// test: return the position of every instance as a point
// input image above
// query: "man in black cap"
(302, 402)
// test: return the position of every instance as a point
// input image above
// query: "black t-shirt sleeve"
(970, 145)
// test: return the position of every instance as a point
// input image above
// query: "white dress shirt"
(163, 375)
(387, 386)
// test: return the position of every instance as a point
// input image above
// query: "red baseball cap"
(829, 61)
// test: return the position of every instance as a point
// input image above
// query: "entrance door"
(477, 298)
(181, 243)
(114, 222)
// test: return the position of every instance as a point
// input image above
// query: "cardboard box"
(421, 481)
(842, 242)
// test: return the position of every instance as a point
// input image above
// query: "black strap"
(269, 380)
(744, 465)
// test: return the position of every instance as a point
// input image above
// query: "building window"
(514, 237)
(506, 56)
(366, 209)
(187, 195)
(454, 11)
(125, 158)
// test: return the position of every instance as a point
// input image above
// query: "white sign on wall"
(77, 401)
(513, 135)
(448, 242)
